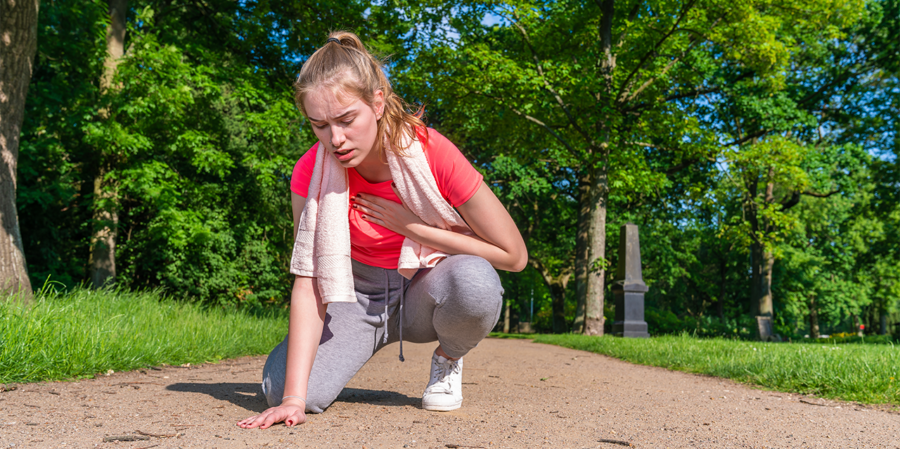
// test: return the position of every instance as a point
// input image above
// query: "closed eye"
(323, 126)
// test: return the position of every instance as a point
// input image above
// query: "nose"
(337, 137)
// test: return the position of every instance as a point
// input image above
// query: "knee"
(315, 404)
(273, 389)
(472, 280)
(318, 399)
(273, 375)
(273, 397)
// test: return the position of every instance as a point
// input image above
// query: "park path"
(518, 394)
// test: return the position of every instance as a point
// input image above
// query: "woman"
(377, 189)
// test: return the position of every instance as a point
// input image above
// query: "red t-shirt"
(374, 244)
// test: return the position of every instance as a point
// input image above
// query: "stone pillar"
(629, 287)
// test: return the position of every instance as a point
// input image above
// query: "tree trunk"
(883, 328)
(720, 304)
(813, 318)
(18, 44)
(506, 311)
(766, 306)
(558, 294)
(115, 41)
(761, 279)
(599, 192)
(593, 320)
(761, 258)
(557, 285)
(103, 241)
(106, 216)
(582, 256)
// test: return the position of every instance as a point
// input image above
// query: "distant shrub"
(664, 322)
(838, 339)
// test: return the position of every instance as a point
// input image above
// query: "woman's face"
(347, 128)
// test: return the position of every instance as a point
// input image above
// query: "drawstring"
(402, 289)
(387, 315)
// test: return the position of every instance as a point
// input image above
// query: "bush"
(664, 322)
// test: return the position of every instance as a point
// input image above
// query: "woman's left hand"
(394, 216)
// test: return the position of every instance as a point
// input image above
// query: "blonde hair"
(346, 68)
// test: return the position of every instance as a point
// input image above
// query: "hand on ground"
(291, 414)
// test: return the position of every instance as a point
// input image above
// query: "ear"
(378, 103)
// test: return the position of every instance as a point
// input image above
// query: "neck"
(373, 169)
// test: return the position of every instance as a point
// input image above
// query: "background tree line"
(754, 143)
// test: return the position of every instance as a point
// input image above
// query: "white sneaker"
(444, 390)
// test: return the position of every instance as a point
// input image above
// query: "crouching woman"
(381, 254)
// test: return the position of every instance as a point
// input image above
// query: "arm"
(307, 318)
(497, 238)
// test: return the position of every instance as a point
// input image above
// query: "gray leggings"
(455, 303)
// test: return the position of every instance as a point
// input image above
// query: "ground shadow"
(377, 397)
(241, 394)
(250, 397)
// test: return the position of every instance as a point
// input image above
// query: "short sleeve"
(456, 178)
(303, 172)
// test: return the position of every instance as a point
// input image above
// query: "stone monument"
(629, 287)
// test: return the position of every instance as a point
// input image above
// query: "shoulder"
(434, 142)
(302, 172)
(309, 157)
(457, 179)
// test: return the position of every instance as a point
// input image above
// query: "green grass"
(867, 340)
(864, 373)
(511, 336)
(84, 332)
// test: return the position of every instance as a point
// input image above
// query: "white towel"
(323, 252)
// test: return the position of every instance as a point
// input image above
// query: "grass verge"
(851, 372)
(85, 332)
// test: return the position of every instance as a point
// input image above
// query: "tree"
(540, 200)
(769, 179)
(791, 133)
(106, 215)
(615, 87)
(822, 271)
(18, 20)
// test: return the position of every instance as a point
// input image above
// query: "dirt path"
(517, 394)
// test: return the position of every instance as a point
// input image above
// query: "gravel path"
(517, 394)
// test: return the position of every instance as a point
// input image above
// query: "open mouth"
(343, 155)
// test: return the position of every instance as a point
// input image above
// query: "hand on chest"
(363, 232)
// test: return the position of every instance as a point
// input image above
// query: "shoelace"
(387, 314)
(443, 371)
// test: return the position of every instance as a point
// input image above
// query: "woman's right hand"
(290, 411)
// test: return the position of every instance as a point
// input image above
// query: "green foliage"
(690, 126)
(863, 373)
(707, 105)
(665, 322)
(204, 154)
(198, 137)
(82, 332)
